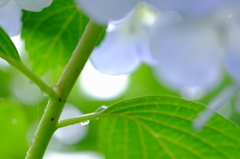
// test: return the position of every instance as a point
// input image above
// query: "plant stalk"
(31, 75)
(49, 121)
(78, 119)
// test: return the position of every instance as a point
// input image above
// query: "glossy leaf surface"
(52, 35)
(161, 127)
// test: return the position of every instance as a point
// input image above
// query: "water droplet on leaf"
(103, 107)
(84, 123)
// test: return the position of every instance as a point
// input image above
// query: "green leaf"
(7, 48)
(161, 127)
(13, 124)
(52, 35)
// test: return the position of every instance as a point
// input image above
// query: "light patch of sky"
(73, 133)
(101, 86)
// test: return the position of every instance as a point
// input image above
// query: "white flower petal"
(3, 2)
(34, 5)
(115, 55)
(10, 18)
(143, 51)
(104, 10)
(187, 57)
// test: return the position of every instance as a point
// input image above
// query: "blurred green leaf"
(161, 127)
(7, 48)
(52, 35)
(13, 123)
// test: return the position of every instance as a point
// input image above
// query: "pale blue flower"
(126, 44)
(10, 13)
(10, 18)
(185, 45)
(192, 53)
(229, 20)
(33, 5)
(188, 54)
(104, 10)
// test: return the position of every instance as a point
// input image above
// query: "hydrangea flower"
(229, 20)
(188, 54)
(185, 42)
(190, 42)
(10, 18)
(126, 45)
(104, 10)
(196, 50)
(175, 63)
(10, 13)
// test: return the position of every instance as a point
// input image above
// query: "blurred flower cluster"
(189, 43)
(10, 13)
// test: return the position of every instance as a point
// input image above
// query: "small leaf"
(158, 127)
(52, 35)
(7, 48)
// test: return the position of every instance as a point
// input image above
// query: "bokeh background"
(22, 105)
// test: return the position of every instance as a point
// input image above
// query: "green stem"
(48, 123)
(76, 120)
(79, 58)
(31, 75)
(46, 128)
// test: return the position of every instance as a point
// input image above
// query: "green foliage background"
(50, 37)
